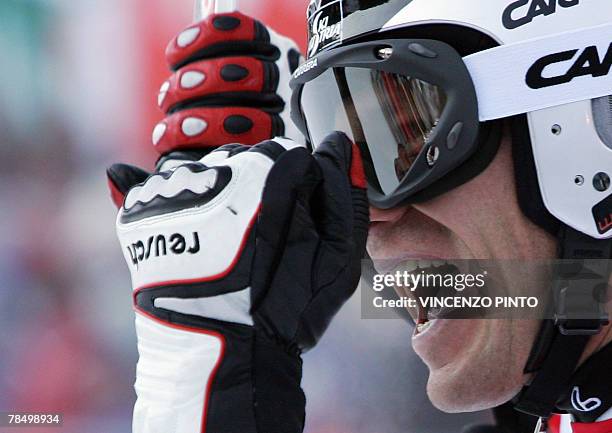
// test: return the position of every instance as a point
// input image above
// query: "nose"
(386, 215)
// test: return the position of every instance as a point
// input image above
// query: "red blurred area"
(160, 20)
(82, 93)
(60, 255)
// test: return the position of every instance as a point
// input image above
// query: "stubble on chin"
(489, 374)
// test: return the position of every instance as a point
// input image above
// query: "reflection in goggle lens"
(389, 116)
(412, 109)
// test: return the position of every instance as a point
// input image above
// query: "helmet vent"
(602, 115)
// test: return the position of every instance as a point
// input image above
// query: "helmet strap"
(561, 341)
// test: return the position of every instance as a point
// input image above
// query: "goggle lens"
(388, 115)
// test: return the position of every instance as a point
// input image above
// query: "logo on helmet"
(324, 26)
(589, 62)
(536, 8)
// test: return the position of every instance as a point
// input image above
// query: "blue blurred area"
(71, 87)
(23, 24)
(66, 326)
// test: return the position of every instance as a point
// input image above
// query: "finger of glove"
(121, 178)
(171, 161)
(343, 219)
(292, 179)
(225, 81)
(221, 35)
(361, 206)
(211, 127)
(214, 156)
(270, 148)
(219, 155)
(342, 215)
(336, 215)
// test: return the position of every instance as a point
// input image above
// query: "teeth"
(414, 265)
(410, 266)
(422, 327)
(424, 263)
(407, 266)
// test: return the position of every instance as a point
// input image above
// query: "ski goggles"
(408, 104)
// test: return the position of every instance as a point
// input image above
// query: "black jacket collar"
(590, 392)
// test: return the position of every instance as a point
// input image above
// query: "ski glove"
(230, 85)
(239, 261)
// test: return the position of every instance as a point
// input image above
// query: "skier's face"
(474, 364)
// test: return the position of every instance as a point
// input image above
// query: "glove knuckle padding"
(181, 244)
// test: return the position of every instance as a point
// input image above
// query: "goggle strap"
(542, 72)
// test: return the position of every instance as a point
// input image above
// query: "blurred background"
(78, 88)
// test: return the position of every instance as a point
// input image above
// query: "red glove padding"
(220, 35)
(203, 127)
(225, 88)
(210, 77)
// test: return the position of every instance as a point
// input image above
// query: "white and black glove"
(230, 85)
(239, 261)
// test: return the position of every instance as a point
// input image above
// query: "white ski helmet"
(423, 87)
(552, 62)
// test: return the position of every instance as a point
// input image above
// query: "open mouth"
(423, 320)
(427, 272)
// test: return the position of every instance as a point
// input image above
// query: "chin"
(454, 395)
(485, 370)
